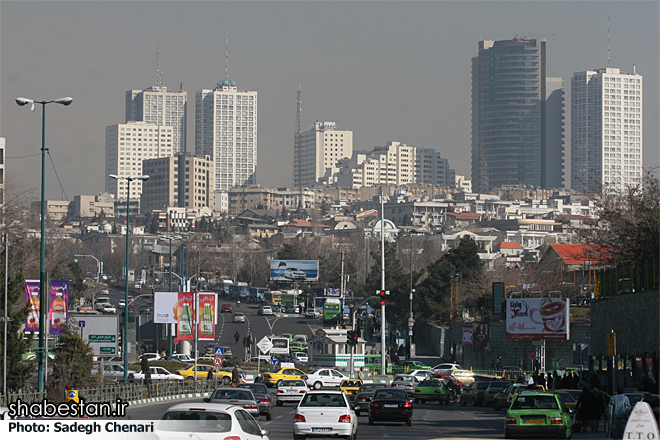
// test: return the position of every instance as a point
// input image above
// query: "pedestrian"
(619, 408)
(210, 375)
(492, 365)
(583, 410)
(646, 384)
(237, 336)
(235, 376)
(361, 374)
(498, 365)
(548, 381)
(597, 409)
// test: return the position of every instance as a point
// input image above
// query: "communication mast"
(297, 148)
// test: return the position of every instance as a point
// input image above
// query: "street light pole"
(383, 348)
(124, 349)
(42, 254)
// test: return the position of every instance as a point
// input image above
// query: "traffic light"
(217, 274)
(355, 336)
(349, 337)
(201, 274)
(382, 297)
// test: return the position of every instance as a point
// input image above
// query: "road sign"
(176, 340)
(532, 356)
(611, 344)
(274, 361)
(265, 345)
(101, 338)
(217, 361)
(81, 324)
(219, 351)
(244, 375)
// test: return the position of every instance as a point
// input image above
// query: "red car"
(225, 308)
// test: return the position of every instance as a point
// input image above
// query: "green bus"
(331, 311)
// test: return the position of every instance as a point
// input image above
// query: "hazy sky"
(388, 71)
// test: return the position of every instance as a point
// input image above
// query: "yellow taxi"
(274, 376)
(465, 376)
(203, 373)
(350, 386)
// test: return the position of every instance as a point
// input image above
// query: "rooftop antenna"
(157, 65)
(297, 140)
(608, 41)
(227, 56)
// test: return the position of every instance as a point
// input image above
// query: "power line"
(58, 177)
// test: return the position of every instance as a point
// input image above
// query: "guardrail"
(29, 397)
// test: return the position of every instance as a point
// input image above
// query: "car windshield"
(292, 383)
(568, 397)
(390, 394)
(255, 387)
(351, 383)
(371, 387)
(332, 400)
(404, 379)
(231, 395)
(195, 421)
(499, 384)
(535, 402)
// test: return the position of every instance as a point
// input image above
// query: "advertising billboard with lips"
(537, 318)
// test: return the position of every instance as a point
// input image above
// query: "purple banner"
(59, 306)
(32, 303)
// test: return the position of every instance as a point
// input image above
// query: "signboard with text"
(294, 270)
(101, 332)
(537, 318)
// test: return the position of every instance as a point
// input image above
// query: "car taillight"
(373, 404)
(265, 401)
(298, 418)
(417, 391)
(407, 405)
(279, 391)
(510, 421)
(556, 421)
(250, 407)
(362, 398)
(346, 418)
(302, 391)
(305, 377)
(437, 391)
(232, 437)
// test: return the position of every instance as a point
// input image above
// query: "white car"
(106, 308)
(300, 356)
(325, 413)
(113, 371)
(294, 274)
(446, 367)
(181, 357)
(210, 421)
(290, 390)
(157, 373)
(266, 310)
(312, 313)
(239, 317)
(151, 357)
(324, 377)
(419, 374)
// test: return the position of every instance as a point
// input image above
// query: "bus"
(239, 291)
(273, 297)
(280, 345)
(331, 311)
(258, 293)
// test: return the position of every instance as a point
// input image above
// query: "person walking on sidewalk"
(619, 411)
(235, 376)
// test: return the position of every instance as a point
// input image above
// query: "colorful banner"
(32, 291)
(294, 270)
(185, 315)
(537, 318)
(481, 337)
(206, 325)
(165, 307)
(467, 335)
(59, 306)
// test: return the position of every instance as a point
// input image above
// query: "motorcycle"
(238, 304)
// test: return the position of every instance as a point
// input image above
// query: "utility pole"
(383, 348)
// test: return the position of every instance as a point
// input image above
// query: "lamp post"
(98, 265)
(42, 257)
(383, 348)
(124, 348)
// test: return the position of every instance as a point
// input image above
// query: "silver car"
(239, 317)
(236, 396)
(406, 382)
(290, 390)
(263, 397)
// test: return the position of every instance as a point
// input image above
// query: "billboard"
(100, 331)
(59, 306)
(294, 270)
(165, 304)
(185, 315)
(481, 336)
(537, 318)
(32, 295)
(206, 304)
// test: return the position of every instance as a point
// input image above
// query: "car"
(447, 378)
(302, 338)
(390, 405)
(301, 357)
(413, 365)
(432, 391)
(262, 396)
(405, 382)
(420, 374)
(293, 273)
(203, 373)
(106, 308)
(324, 377)
(265, 310)
(297, 346)
(474, 393)
(150, 356)
(235, 396)
(226, 308)
(364, 395)
(146, 309)
(513, 390)
(157, 373)
(181, 357)
(208, 420)
(288, 336)
(537, 415)
(446, 366)
(350, 386)
(274, 376)
(290, 390)
(112, 371)
(494, 387)
(324, 413)
(465, 376)
(293, 309)
(312, 313)
(239, 317)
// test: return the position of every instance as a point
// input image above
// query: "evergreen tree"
(18, 372)
(72, 364)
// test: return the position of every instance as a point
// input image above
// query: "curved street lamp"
(124, 348)
(42, 258)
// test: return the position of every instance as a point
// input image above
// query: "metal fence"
(631, 277)
(28, 397)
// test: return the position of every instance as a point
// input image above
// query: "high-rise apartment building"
(226, 130)
(431, 168)
(127, 146)
(393, 163)
(606, 128)
(2, 172)
(184, 181)
(157, 105)
(316, 155)
(509, 116)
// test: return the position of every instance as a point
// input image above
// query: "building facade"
(509, 122)
(317, 153)
(392, 163)
(606, 128)
(158, 106)
(226, 131)
(184, 181)
(85, 206)
(2, 172)
(127, 146)
(431, 168)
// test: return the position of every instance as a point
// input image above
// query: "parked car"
(324, 412)
(537, 415)
(236, 396)
(239, 317)
(265, 310)
(391, 405)
(157, 374)
(198, 420)
(474, 393)
(364, 396)
(112, 371)
(432, 391)
(262, 396)
(324, 377)
(405, 382)
(290, 390)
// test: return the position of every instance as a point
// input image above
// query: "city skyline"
(355, 63)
